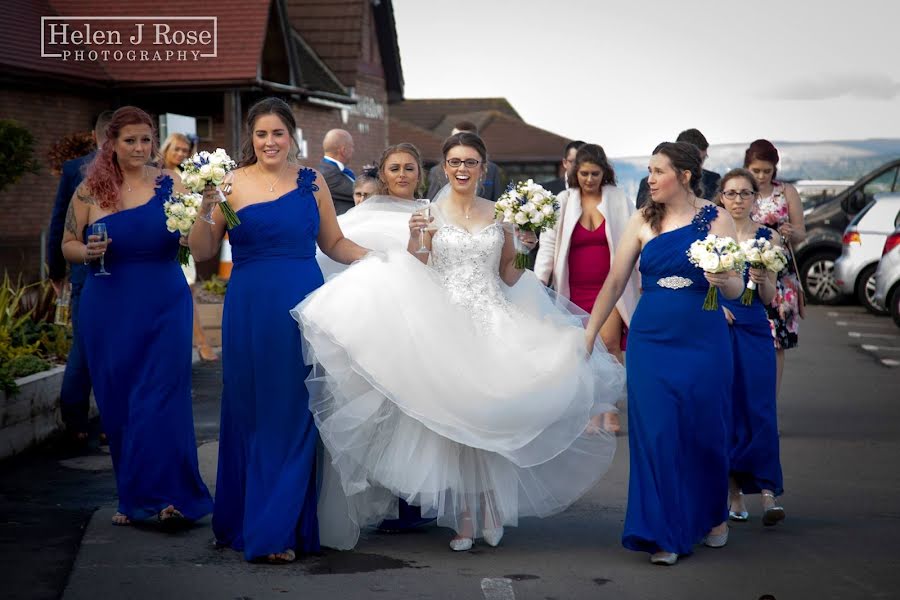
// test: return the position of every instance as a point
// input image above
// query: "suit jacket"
(555, 186)
(491, 188)
(552, 263)
(710, 180)
(72, 176)
(339, 184)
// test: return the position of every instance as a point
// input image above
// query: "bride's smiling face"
(463, 178)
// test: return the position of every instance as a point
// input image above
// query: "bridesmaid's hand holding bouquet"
(205, 171)
(717, 256)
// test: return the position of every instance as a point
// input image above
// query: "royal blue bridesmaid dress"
(136, 327)
(266, 484)
(679, 377)
(755, 455)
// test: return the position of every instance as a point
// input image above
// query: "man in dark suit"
(556, 186)
(710, 179)
(338, 149)
(75, 393)
(491, 188)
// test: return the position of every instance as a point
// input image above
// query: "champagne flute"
(212, 207)
(99, 230)
(425, 203)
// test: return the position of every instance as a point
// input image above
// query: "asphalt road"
(840, 422)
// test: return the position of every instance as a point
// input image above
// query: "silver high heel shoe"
(739, 516)
(774, 513)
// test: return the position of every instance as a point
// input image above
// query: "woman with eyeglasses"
(755, 464)
(458, 384)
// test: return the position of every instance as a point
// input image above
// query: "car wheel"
(865, 290)
(817, 275)
(893, 301)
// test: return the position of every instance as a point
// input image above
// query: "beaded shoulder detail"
(704, 217)
(764, 232)
(306, 181)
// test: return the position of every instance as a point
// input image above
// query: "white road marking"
(497, 588)
(890, 362)
(861, 324)
(873, 348)
(885, 336)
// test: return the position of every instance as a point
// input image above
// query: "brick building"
(336, 61)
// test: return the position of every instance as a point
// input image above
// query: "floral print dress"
(784, 311)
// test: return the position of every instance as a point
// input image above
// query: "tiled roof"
(334, 29)
(429, 114)
(429, 145)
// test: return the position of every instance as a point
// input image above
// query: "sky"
(632, 73)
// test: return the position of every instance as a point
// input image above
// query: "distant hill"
(799, 160)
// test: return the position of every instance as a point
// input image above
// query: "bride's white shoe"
(492, 536)
(461, 544)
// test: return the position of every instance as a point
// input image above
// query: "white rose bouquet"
(208, 169)
(759, 253)
(716, 254)
(181, 212)
(527, 205)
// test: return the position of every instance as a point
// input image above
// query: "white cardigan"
(552, 263)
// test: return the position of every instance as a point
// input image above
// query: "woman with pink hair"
(136, 325)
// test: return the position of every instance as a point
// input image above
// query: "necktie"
(349, 174)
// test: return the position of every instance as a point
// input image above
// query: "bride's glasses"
(469, 162)
(425, 211)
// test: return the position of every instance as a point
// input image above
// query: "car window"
(886, 182)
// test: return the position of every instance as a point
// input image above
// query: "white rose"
(521, 218)
(528, 207)
(508, 215)
(538, 218)
(206, 171)
(190, 212)
(710, 263)
(728, 262)
(171, 223)
(548, 209)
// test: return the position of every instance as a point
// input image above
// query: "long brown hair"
(684, 157)
(268, 106)
(104, 175)
(592, 153)
(765, 151)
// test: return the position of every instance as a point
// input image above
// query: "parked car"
(814, 192)
(854, 270)
(825, 225)
(887, 277)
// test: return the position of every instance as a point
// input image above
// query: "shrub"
(16, 153)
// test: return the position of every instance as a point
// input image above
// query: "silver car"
(887, 277)
(854, 270)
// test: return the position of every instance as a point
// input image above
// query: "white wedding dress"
(443, 386)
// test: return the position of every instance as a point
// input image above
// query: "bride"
(452, 379)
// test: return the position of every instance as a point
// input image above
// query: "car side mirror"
(855, 202)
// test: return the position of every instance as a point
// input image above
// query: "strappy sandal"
(774, 514)
(121, 520)
(171, 519)
(282, 558)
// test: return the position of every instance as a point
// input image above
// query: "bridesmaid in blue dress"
(137, 326)
(266, 486)
(679, 373)
(755, 463)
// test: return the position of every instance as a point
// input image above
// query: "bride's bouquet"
(208, 169)
(759, 253)
(716, 254)
(181, 212)
(527, 205)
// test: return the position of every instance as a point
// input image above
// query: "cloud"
(829, 86)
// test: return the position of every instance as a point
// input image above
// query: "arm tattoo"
(71, 224)
(84, 196)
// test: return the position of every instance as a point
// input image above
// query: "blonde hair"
(171, 139)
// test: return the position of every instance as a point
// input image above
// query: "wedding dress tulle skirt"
(469, 418)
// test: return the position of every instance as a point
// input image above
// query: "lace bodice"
(468, 265)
